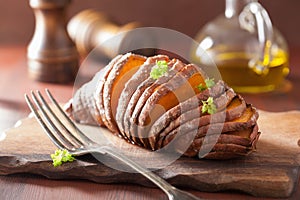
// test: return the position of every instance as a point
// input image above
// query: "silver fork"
(77, 143)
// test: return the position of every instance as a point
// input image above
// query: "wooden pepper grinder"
(91, 28)
(52, 55)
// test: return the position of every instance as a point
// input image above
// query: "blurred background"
(188, 17)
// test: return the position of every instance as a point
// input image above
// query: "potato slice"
(244, 138)
(172, 115)
(114, 84)
(141, 95)
(87, 103)
(245, 121)
(131, 86)
(226, 99)
(181, 87)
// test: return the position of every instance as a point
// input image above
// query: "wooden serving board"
(271, 171)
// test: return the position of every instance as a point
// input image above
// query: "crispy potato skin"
(167, 112)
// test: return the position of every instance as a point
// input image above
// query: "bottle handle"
(255, 18)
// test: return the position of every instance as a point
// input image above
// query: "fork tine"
(67, 133)
(51, 126)
(71, 123)
(42, 123)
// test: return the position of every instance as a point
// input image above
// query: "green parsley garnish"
(201, 87)
(60, 156)
(208, 106)
(159, 70)
(208, 84)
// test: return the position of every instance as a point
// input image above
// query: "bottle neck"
(234, 7)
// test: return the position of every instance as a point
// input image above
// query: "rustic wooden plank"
(271, 171)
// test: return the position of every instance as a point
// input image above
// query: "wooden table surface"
(14, 82)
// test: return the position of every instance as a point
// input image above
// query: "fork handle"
(172, 192)
(157, 180)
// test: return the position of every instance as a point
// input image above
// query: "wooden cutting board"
(271, 171)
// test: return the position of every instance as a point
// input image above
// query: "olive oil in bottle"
(235, 71)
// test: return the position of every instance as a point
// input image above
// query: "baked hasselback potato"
(151, 101)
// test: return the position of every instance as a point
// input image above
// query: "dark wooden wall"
(186, 16)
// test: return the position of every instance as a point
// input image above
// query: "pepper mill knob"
(52, 55)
